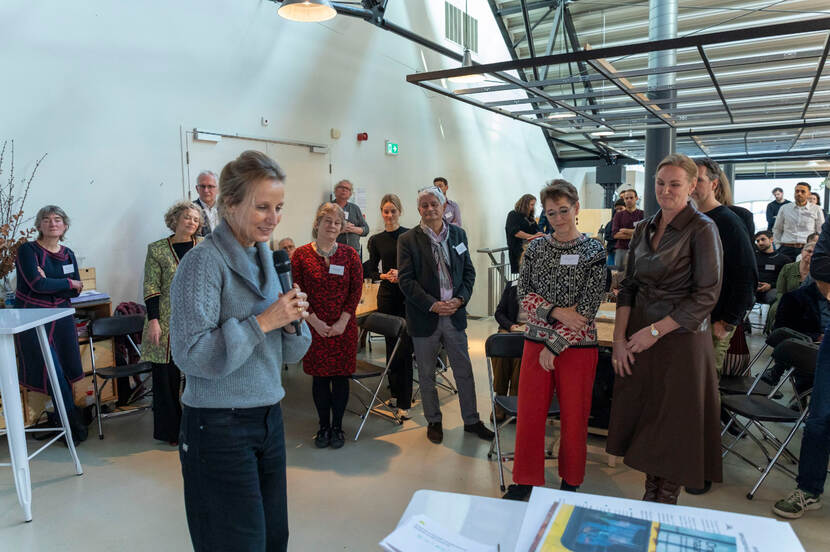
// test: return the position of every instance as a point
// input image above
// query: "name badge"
(769, 267)
(448, 215)
(346, 213)
(460, 248)
(336, 269)
(68, 269)
(569, 260)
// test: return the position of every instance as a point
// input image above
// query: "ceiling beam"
(819, 70)
(712, 76)
(689, 41)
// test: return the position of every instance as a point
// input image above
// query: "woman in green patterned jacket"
(163, 256)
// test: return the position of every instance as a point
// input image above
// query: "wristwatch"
(654, 331)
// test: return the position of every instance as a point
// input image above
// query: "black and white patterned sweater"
(562, 274)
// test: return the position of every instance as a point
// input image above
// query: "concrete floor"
(130, 496)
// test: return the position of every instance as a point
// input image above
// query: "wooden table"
(605, 324)
(368, 299)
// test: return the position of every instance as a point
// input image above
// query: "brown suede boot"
(669, 491)
(652, 488)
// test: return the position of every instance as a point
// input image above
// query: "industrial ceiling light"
(603, 133)
(563, 115)
(308, 11)
(467, 59)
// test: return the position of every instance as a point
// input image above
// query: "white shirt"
(793, 223)
(212, 215)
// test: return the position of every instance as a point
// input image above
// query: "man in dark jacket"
(436, 276)
(740, 273)
(815, 445)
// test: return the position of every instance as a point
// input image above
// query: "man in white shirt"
(207, 187)
(796, 221)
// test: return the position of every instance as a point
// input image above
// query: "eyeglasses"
(206, 186)
(342, 188)
(560, 213)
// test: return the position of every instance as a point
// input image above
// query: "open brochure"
(576, 522)
(422, 534)
(569, 528)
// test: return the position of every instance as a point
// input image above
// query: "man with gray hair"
(207, 187)
(356, 226)
(436, 276)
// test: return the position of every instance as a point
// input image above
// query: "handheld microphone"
(282, 264)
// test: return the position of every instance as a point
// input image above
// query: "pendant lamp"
(308, 11)
(467, 59)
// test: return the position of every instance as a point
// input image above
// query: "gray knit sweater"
(214, 336)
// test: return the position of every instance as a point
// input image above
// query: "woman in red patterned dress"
(333, 276)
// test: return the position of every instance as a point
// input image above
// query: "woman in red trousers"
(561, 285)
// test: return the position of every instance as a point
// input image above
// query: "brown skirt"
(665, 416)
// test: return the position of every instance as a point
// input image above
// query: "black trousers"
(167, 408)
(233, 465)
(400, 372)
(330, 394)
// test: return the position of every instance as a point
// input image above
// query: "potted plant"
(13, 229)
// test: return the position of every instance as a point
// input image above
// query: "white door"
(307, 184)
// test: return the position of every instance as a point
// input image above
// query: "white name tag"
(769, 267)
(460, 248)
(569, 260)
(68, 269)
(346, 213)
(448, 215)
(336, 269)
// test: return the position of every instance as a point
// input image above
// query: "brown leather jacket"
(682, 277)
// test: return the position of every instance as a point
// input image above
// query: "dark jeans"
(233, 465)
(167, 409)
(815, 445)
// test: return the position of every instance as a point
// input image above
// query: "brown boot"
(668, 493)
(652, 488)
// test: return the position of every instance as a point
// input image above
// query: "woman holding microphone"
(231, 331)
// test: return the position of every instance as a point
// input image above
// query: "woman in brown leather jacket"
(665, 416)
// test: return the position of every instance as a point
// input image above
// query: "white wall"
(105, 87)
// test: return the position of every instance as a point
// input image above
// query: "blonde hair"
(682, 161)
(239, 176)
(723, 193)
(327, 209)
(171, 217)
(393, 199)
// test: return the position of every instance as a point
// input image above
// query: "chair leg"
(98, 414)
(777, 455)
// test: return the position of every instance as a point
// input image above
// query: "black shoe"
(481, 430)
(323, 438)
(435, 432)
(338, 439)
(565, 486)
(518, 492)
(707, 486)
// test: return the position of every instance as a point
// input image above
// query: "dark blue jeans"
(233, 465)
(815, 445)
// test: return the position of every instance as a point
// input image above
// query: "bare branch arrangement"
(13, 232)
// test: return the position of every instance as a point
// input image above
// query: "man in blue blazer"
(436, 276)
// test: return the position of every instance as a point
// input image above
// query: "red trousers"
(572, 379)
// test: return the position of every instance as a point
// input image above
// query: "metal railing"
(498, 276)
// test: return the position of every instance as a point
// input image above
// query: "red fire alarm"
(362, 136)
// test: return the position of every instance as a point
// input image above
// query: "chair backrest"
(505, 345)
(386, 325)
(798, 354)
(114, 326)
(780, 334)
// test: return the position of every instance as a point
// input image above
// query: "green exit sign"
(391, 148)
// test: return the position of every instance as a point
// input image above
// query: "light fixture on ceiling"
(307, 11)
(467, 61)
(600, 133)
(467, 58)
(562, 115)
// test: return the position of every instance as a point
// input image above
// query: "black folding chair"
(801, 357)
(105, 328)
(507, 345)
(749, 384)
(387, 326)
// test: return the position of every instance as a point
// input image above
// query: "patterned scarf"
(441, 257)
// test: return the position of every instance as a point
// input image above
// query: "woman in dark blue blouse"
(47, 277)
